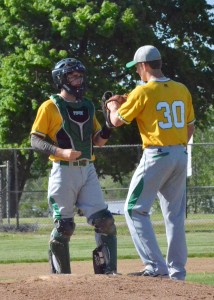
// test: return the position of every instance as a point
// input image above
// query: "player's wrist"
(105, 132)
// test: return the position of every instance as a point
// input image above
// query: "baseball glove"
(106, 98)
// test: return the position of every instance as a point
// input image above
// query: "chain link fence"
(24, 179)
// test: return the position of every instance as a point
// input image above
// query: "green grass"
(32, 246)
(202, 278)
(17, 247)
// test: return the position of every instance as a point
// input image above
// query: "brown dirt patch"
(33, 282)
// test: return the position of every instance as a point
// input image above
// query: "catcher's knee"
(103, 222)
(65, 227)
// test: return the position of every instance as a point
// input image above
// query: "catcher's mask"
(60, 72)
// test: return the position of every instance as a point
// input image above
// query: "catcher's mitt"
(106, 98)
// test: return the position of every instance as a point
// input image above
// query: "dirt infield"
(33, 282)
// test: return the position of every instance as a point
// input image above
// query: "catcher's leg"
(105, 255)
(59, 255)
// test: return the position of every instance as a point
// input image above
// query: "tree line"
(104, 35)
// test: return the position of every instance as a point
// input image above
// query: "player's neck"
(67, 97)
(155, 75)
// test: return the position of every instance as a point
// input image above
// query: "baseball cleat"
(148, 273)
(112, 273)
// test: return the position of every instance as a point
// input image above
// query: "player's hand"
(68, 154)
(115, 102)
(113, 105)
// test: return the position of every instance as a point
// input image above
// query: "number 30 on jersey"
(173, 114)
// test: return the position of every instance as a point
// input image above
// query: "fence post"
(8, 184)
(1, 193)
(16, 188)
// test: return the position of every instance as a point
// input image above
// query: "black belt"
(77, 163)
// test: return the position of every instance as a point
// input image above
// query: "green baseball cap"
(144, 54)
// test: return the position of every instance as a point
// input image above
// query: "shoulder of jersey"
(47, 103)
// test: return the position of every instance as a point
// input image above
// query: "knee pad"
(103, 223)
(65, 227)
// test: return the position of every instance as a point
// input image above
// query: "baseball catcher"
(69, 121)
(106, 98)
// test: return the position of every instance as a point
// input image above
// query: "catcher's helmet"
(59, 74)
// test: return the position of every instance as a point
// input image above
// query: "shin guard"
(106, 239)
(109, 250)
(59, 255)
(105, 256)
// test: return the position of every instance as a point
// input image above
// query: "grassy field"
(31, 246)
(32, 242)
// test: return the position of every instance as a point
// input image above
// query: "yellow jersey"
(162, 109)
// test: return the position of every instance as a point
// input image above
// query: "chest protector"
(77, 125)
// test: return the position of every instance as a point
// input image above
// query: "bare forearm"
(115, 120)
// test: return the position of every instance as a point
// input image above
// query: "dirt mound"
(33, 282)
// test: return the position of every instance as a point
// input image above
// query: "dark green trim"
(135, 195)
(160, 155)
(55, 208)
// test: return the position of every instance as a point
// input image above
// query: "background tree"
(104, 35)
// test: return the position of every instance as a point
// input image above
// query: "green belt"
(77, 163)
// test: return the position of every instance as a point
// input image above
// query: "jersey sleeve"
(132, 107)
(96, 125)
(40, 125)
